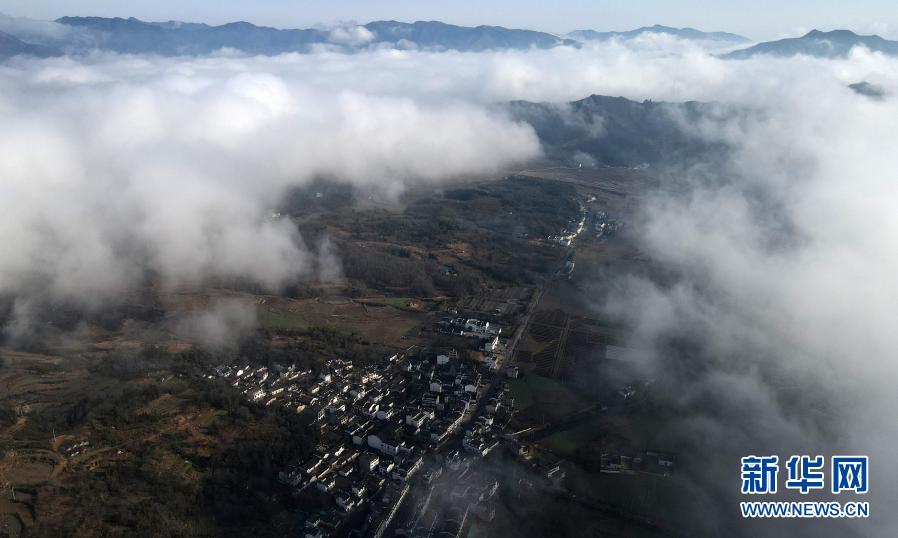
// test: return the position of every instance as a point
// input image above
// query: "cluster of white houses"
(377, 421)
(482, 435)
(472, 327)
(487, 332)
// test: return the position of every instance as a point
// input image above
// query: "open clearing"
(393, 321)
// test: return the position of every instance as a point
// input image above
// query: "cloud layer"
(116, 169)
(783, 257)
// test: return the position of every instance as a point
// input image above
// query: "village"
(380, 421)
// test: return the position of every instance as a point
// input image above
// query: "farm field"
(389, 321)
(540, 398)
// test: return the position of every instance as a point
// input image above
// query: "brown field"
(388, 321)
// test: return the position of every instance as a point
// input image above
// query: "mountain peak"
(832, 33)
(239, 25)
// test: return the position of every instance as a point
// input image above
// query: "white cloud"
(220, 324)
(352, 35)
(34, 30)
(785, 257)
(114, 166)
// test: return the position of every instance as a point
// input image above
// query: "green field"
(567, 442)
(533, 389)
(270, 318)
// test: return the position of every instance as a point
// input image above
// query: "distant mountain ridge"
(682, 33)
(832, 44)
(174, 37)
(479, 38)
(171, 38)
(134, 36)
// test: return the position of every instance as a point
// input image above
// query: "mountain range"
(133, 36)
(171, 38)
(78, 35)
(834, 44)
(682, 33)
(434, 34)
